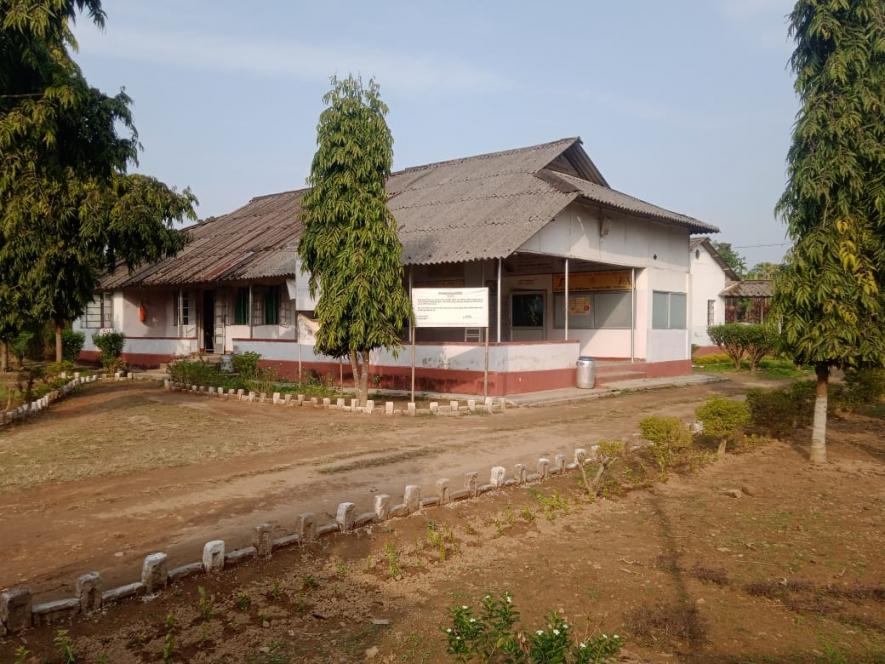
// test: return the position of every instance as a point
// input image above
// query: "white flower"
(473, 620)
(616, 636)
(464, 606)
(539, 632)
(604, 636)
(449, 630)
(583, 645)
(556, 632)
(508, 599)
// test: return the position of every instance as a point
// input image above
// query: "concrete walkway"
(573, 394)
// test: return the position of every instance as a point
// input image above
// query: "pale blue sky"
(685, 104)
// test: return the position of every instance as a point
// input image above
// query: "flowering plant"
(490, 636)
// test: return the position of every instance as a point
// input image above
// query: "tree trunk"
(364, 379)
(355, 368)
(819, 431)
(4, 357)
(59, 352)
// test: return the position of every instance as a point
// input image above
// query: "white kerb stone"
(213, 556)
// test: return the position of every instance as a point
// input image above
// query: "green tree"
(68, 211)
(350, 245)
(829, 293)
(734, 260)
(764, 270)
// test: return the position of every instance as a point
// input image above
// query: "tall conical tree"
(350, 245)
(831, 292)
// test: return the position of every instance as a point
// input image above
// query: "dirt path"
(121, 471)
(791, 571)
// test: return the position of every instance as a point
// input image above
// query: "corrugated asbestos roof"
(749, 288)
(484, 206)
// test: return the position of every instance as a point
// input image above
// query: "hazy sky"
(685, 104)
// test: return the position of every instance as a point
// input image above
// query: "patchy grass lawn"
(771, 368)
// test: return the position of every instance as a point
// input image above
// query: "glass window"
(182, 307)
(612, 310)
(241, 307)
(527, 309)
(594, 310)
(677, 311)
(660, 310)
(668, 311)
(711, 311)
(100, 312)
(272, 306)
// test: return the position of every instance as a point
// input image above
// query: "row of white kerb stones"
(18, 612)
(37, 405)
(454, 407)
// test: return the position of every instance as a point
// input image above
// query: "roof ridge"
(486, 155)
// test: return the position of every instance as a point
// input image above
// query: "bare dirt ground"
(118, 472)
(790, 571)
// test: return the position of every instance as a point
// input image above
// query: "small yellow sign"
(593, 281)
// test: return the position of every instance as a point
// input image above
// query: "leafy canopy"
(830, 292)
(350, 244)
(68, 211)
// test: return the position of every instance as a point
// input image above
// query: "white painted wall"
(666, 345)
(708, 280)
(658, 251)
(461, 356)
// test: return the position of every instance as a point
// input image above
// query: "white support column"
(180, 305)
(633, 314)
(565, 304)
(499, 322)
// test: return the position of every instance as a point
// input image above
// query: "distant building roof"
(749, 288)
(706, 243)
(485, 206)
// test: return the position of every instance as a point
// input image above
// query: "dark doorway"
(209, 321)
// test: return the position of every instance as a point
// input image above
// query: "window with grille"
(711, 310)
(241, 307)
(100, 312)
(181, 314)
(272, 306)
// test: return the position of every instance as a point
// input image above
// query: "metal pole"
(413, 365)
(633, 314)
(566, 300)
(412, 332)
(498, 314)
(485, 375)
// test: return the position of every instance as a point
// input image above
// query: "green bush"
(246, 364)
(781, 411)
(71, 344)
(196, 372)
(492, 636)
(723, 418)
(669, 431)
(864, 386)
(740, 341)
(668, 435)
(713, 358)
(111, 346)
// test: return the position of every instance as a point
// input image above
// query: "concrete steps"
(615, 372)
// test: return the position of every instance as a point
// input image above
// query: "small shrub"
(205, 603)
(110, 344)
(392, 556)
(723, 419)
(714, 358)
(740, 340)
(667, 435)
(781, 411)
(246, 364)
(71, 344)
(864, 386)
(492, 636)
(309, 582)
(244, 602)
(169, 639)
(64, 647)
